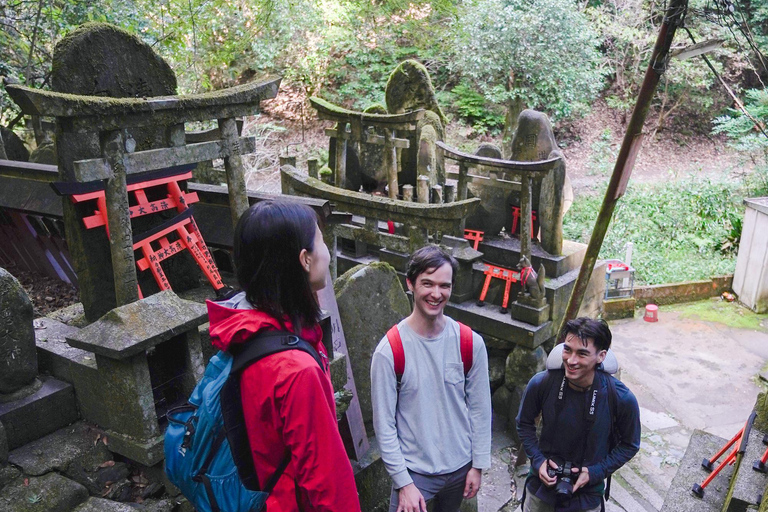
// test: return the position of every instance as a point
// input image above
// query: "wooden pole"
(238, 196)
(119, 221)
(630, 147)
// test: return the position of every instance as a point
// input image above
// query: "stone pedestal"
(463, 286)
(18, 358)
(529, 310)
(148, 359)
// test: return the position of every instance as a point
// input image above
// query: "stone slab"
(50, 408)
(748, 485)
(616, 309)
(147, 452)
(57, 451)
(505, 252)
(48, 493)
(338, 370)
(101, 505)
(702, 445)
(488, 320)
(372, 480)
(132, 329)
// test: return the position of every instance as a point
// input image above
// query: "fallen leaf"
(107, 464)
(26, 482)
(104, 440)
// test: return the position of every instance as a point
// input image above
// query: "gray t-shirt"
(441, 420)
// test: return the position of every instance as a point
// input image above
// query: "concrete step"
(630, 493)
(679, 498)
(640, 488)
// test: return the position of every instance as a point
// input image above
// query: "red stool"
(651, 313)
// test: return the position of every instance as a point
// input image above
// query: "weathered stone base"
(489, 320)
(50, 408)
(372, 480)
(529, 314)
(615, 309)
(143, 451)
(702, 445)
(506, 253)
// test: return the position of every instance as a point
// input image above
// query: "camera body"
(566, 477)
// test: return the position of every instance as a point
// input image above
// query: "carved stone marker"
(13, 146)
(371, 300)
(534, 140)
(18, 355)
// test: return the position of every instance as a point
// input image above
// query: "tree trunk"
(514, 107)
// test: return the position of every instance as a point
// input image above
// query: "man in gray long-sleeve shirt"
(435, 432)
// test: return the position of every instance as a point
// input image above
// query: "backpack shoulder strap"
(466, 341)
(268, 343)
(396, 344)
(258, 347)
(613, 435)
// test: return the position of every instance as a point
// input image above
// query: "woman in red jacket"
(288, 401)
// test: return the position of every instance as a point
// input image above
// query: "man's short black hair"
(429, 257)
(585, 328)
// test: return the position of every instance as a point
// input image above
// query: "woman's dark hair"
(268, 240)
(429, 257)
(585, 328)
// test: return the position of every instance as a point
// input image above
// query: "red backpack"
(396, 343)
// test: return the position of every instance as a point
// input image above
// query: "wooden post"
(525, 214)
(288, 160)
(341, 156)
(312, 168)
(233, 163)
(119, 220)
(408, 193)
(390, 162)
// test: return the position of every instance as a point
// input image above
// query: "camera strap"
(590, 410)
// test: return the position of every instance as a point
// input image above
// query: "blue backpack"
(207, 453)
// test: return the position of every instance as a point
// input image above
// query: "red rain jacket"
(290, 405)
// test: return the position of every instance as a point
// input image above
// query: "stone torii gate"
(358, 123)
(113, 119)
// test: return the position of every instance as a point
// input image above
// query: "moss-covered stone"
(371, 300)
(44, 154)
(48, 493)
(18, 356)
(376, 108)
(522, 364)
(102, 59)
(14, 147)
(409, 88)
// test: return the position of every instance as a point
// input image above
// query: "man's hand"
(472, 484)
(547, 480)
(582, 480)
(409, 499)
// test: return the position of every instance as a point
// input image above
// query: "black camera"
(565, 479)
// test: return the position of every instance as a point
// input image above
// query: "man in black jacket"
(591, 424)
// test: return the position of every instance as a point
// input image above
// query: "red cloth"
(290, 405)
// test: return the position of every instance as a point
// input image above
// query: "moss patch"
(731, 314)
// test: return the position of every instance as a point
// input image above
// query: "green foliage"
(541, 51)
(678, 228)
(472, 107)
(744, 137)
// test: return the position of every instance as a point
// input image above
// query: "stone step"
(630, 497)
(641, 488)
(702, 445)
(748, 484)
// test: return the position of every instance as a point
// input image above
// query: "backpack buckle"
(291, 340)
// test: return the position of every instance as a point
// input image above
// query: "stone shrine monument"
(30, 406)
